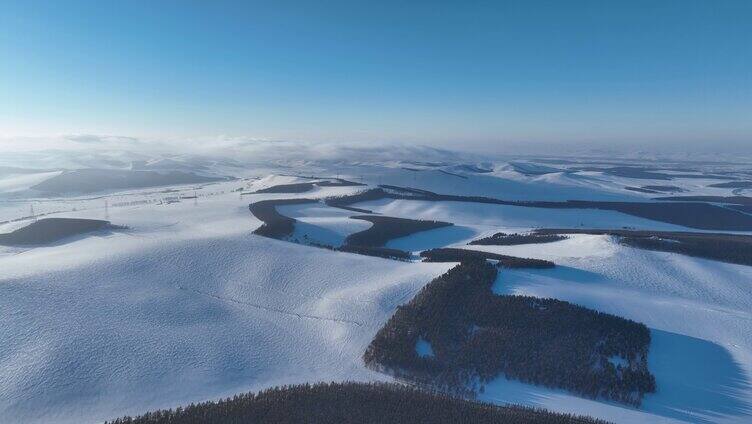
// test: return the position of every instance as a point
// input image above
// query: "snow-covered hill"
(186, 304)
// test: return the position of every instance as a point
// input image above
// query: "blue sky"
(449, 74)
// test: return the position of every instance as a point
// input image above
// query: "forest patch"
(355, 403)
(477, 336)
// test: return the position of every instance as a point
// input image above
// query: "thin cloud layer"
(107, 151)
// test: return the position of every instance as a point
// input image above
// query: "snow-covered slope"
(698, 311)
(13, 183)
(186, 306)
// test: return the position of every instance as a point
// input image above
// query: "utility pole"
(106, 210)
(31, 212)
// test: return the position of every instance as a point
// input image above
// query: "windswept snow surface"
(187, 305)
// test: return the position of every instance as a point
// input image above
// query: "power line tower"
(31, 212)
(106, 210)
(195, 199)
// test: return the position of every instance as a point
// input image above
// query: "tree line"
(386, 228)
(705, 216)
(452, 254)
(504, 239)
(287, 188)
(349, 402)
(278, 226)
(731, 248)
(275, 225)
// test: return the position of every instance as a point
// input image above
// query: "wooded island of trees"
(504, 239)
(452, 254)
(51, 230)
(476, 336)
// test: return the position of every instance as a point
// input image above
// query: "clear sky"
(448, 74)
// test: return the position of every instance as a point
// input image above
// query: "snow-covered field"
(187, 305)
(321, 224)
